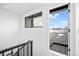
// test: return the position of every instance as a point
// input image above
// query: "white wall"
(40, 35)
(72, 29)
(77, 29)
(10, 29)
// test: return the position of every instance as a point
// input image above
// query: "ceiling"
(21, 7)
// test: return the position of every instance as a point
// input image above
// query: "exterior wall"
(40, 35)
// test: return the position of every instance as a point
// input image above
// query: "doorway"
(59, 38)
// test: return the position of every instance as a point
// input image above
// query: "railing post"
(3, 54)
(18, 52)
(31, 48)
(23, 50)
(28, 48)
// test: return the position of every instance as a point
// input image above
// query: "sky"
(58, 19)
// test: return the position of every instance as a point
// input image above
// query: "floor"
(61, 38)
(60, 49)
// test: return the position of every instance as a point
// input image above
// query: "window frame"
(33, 16)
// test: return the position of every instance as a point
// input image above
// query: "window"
(34, 21)
(58, 30)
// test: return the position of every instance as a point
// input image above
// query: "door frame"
(69, 49)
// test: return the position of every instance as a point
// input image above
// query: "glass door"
(59, 30)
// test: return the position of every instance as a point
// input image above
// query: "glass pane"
(37, 21)
(28, 22)
(58, 31)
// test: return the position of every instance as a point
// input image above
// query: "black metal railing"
(24, 49)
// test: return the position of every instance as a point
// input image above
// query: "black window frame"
(33, 16)
(59, 8)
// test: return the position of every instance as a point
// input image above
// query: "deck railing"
(24, 49)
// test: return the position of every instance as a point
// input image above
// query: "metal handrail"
(17, 46)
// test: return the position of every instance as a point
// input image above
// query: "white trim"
(57, 53)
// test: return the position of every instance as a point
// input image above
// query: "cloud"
(52, 16)
(57, 14)
(64, 22)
